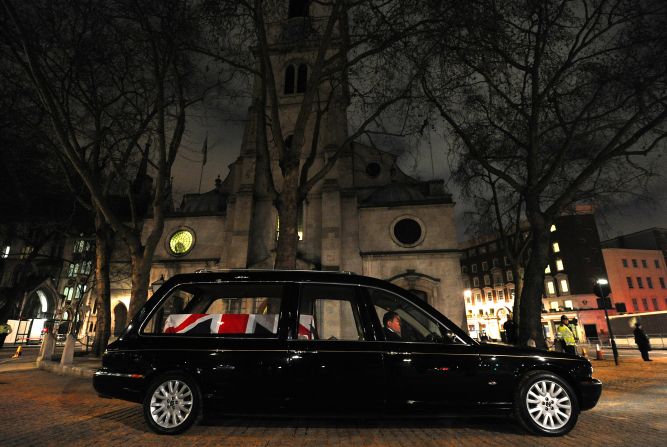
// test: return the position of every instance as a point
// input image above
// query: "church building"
(365, 216)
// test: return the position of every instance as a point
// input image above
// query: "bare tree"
(113, 79)
(555, 100)
(352, 50)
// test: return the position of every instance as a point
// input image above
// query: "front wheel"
(172, 403)
(546, 405)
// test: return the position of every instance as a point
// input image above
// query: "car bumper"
(590, 393)
(124, 386)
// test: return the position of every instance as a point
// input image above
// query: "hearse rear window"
(216, 309)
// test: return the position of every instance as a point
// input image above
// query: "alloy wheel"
(171, 403)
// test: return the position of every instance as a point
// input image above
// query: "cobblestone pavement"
(44, 409)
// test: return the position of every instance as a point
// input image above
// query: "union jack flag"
(259, 324)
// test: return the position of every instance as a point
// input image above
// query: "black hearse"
(246, 341)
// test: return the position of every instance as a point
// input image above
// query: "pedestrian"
(5, 330)
(531, 342)
(510, 330)
(643, 343)
(565, 335)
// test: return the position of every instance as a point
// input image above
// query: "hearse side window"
(218, 309)
(328, 312)
(416, 325)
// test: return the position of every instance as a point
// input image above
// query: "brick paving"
(44, 409)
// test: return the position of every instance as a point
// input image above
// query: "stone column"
(48, 347)
(68, 353)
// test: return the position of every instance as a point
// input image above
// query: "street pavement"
(45, 409)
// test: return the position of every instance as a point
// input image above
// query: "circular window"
(373, 169)
(408, 232)
(181, 242)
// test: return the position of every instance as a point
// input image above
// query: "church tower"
(365, 215)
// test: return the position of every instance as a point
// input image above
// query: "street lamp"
(605, 302)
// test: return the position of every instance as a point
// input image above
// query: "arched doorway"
(119, 318)
(40, 304)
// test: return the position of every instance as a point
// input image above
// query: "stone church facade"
(366, 216)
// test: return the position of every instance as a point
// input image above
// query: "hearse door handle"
(304, 352)
(398, 353)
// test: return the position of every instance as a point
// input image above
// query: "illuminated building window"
(475, 281)
(510, 275)
(568, 304)
(547, 270)
(501, 295)
(5, 252)
(563, 286)
(478, 298)
(559, 265)
(181, 242)
(489, 297)
(551, 290)
(556, 247)
(553, 228)
(554, 305)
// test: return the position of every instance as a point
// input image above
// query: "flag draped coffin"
(259, 324)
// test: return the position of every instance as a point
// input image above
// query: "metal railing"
(658, 341)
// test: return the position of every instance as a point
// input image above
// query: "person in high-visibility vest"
(565, 334)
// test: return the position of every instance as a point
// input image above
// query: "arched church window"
(298, 8)
(302, 78)
(289, 79)
(296, 78)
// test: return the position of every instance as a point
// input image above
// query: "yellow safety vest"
(565, 333)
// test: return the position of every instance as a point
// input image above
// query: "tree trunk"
(102, 284)
(288, 215)
(141, 269)
(530, 319)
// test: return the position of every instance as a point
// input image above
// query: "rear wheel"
(172, 403)
(546, 405)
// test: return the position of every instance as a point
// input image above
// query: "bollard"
(599, 355)
(18, 352)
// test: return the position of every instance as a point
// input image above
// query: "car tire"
(172, 403)
(545, 404)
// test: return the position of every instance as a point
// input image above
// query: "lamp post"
(605, 300)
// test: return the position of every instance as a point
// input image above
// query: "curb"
(65, 370)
